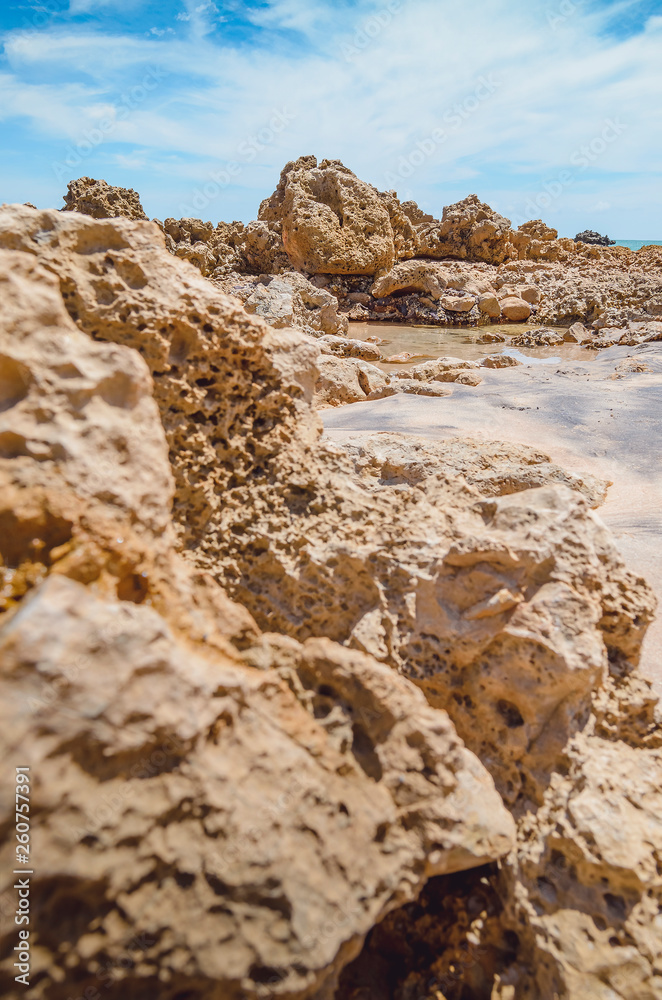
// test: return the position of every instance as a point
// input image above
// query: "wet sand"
(582, 416)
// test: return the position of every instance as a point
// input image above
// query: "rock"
(491, 338)
(75, 413)
(508, 607)
(489, 304)
(289, 300)
(399, 359)
(346, 380)
(356, 774)
(499, 361)
(412, 276)
(457, 303)
(101, 200)
(332, 222)
(586, 876)
(530, 294)
(469, 230)
(594, 239)
(345, 347)
(515, 309)
(230, 248)
(412, 386)
(577, 334)
(538, 338)
(338, 381)
(539, 230)
(430, 370)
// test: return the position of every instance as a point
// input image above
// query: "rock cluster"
(294, 681)
(381, 258)
(594, 239)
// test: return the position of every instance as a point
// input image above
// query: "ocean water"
(638, 244)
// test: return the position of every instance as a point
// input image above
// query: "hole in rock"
(365, 754)
(423, 950)
(510, 714)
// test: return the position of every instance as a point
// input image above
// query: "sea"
(638, 244)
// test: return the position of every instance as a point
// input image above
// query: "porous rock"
(241, 793)
(508, 606)
(468, 230)
(332, 222)
(101, 200)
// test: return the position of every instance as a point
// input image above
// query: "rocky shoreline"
(306, 714)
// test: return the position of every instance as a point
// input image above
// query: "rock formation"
(280, 703)
(146, 721)
(332, 222)
(594, 239)
(469, 230)
(102, 200)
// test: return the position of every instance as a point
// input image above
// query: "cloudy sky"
(544, 108)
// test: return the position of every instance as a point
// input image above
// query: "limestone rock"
(489, 304)
(346, 347)
(410, 385)
(538, 338)
(102, 200)
(499, 361)
(412, 276)
(242, 788)
(344, 379)
(515, 309)
(72, 411)
(469, 230)
(332, 222)
(588, 890)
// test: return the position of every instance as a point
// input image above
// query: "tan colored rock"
(531, 294)
(102, 200)
(345, 379)
(346, 347)
(75, 413)
(499, 361)
(457, 303)
(469, 230)
(412, 386)
(412, 276)
(489, 304)
(515, 309)
(332, 222)
(538, 230)
(430, 370)
(538, 338)
(508, 606)
(242, 788)
(588, 894)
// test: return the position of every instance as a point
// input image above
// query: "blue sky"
(544, 108)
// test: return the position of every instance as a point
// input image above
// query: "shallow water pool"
(460, 342)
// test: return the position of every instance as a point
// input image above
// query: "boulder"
(499, 361)
(594, 239)
(332, 222)
(469, 230)
(515, 309)
(101, 200)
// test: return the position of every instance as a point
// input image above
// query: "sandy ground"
(591, 416)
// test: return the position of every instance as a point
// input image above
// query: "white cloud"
(517, 99)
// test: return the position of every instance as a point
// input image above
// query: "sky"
(545, 109)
